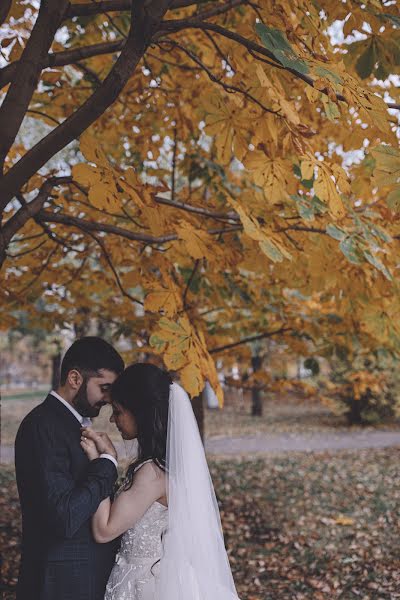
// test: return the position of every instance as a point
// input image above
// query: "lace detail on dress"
(137, 561)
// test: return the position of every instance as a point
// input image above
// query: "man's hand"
(103, 443)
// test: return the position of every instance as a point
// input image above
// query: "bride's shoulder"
(148, 472)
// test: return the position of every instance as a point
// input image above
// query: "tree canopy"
(203, 174)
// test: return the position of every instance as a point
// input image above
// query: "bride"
(172, 545)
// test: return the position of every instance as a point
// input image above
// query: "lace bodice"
(144, 539)
(137, 561)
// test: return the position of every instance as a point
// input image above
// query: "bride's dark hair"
(143, 390)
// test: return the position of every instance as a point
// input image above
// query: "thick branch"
(4, 10)
(28, 71)
(58, 59)
(86, 225)
(26, 212)
(144, 23)
(66, 57)
(95, 8)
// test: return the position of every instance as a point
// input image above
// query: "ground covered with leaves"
(298, 526)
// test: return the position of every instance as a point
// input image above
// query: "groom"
(59, 488)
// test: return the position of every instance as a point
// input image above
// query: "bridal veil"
(195, 565)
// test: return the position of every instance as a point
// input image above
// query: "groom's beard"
(81, 403)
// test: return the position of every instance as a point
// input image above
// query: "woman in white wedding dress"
(172, 544)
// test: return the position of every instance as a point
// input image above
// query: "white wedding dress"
(137, 562)
(176, 553)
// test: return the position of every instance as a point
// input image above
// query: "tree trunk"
(198, 409)
(256, 398)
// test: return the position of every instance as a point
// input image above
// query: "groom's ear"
(74, 379)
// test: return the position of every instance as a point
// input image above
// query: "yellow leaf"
(104, 196)
(199, 244)
(271, 175)
(86, 175)
(307, 169)
(163, 299)
(326, 191)
(92, 151)
(223, 122)
(192, 379)
(344, 521)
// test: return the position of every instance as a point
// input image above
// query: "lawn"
(297, 526)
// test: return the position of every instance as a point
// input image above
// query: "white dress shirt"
(84, 421)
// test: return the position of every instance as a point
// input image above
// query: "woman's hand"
(101, 440)
(89, 448)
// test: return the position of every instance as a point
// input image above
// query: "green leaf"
(318, 205)
(333, 77)
(304, 208)
(271, 250)
(157, 343)
(373, 260)
(351, 251)
(277, 43)
(335, 232)
(297, 171)
(331, 109)
(381, 233)
(366, 61)
(307, 183)
(395, 20)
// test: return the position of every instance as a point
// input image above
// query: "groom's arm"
(69, 504)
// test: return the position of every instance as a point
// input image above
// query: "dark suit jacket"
(59, 490)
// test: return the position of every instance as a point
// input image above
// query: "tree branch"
(198, 211)
(28, 71)
(66, 57)
(27, 211)
(29, 285)
(95, 8)
(4, 10)
(227, 87)
(110, 264)
(145, 21)
(85, 225)
(174, 25)
(247, 340)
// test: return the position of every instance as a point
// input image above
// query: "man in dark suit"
(59, 488)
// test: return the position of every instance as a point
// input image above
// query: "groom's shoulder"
(40, 414)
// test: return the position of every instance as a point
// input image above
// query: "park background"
(215, 186)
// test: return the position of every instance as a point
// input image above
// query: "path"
(280, 442)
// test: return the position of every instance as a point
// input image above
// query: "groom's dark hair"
(88, 355)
